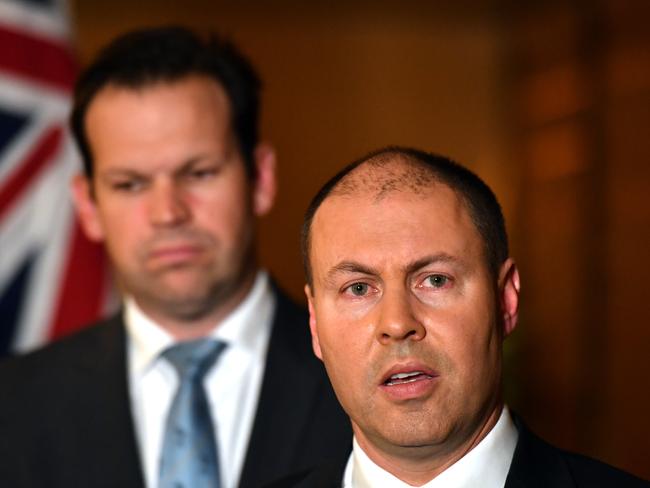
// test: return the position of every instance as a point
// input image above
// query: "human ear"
(315, 342)
(509, 288)
(265, 180)
(86, 208)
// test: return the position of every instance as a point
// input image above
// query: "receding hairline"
(117, 87)
(408, 170)
(386, 173)
(380, 178)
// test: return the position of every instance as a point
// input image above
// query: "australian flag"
(52, 280)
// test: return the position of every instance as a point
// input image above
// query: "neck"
(418, 465)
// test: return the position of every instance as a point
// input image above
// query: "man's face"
(172, 199)
(406, 317)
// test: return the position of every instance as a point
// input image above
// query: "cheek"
(345, 370)
(226, 215)
(470, 342)
(344, 328)
(122, 216)
(122, 246)
(481, 372)
(339, 348)
(341, 344)
(125, 231)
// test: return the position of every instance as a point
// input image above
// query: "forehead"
(193, 93)
(392, 225)
(164, 117)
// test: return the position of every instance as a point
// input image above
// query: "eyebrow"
(355, 267)
(200, 159)
(186, 166)
(433, 259)
(348, 267)
(351, 267)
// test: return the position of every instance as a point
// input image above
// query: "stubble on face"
(412, 419)
(434, 430)
(190, 270)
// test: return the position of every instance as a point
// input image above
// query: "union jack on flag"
(52, 280)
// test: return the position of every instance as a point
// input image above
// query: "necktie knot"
(193, 359)
(189, 456)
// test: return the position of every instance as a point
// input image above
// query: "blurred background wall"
(548, 101)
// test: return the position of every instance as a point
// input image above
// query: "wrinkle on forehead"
(385, 174)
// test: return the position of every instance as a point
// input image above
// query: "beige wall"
(340, 81)
(583, 114)
(550, 104)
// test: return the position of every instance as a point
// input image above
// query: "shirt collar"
(486, 465)
(240, 329)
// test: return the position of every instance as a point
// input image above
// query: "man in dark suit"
(411, 293)
(174, 179)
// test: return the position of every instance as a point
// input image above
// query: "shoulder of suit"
(286, 306)
(57, 358)
(291, 327)
(537, 459)
(591, 472)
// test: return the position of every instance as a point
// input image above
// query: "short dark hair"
(481, 203)
(144, 57)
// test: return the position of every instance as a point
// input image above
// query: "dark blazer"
(65, 418)
(536, 464)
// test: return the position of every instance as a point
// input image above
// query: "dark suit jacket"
(65, 418)
(536, 464)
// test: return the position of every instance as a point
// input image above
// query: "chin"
(418, 432)
(183, 305)
(413, 439)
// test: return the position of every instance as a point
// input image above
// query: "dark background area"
(548, 101)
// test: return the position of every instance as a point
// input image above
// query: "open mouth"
(403, 378)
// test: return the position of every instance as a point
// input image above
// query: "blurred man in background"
(411, 293)
(206, 376)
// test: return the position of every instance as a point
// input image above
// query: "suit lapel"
(536, 464)
(104, 418)
(287, 397)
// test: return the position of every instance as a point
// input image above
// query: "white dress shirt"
(232, 385)
(486, 465)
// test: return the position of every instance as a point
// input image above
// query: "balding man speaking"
(411, 294)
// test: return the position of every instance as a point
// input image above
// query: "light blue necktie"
(190, 458)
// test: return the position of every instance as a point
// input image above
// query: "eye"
(436, 281)
(128, 186)
(198, 174)
(358, 289)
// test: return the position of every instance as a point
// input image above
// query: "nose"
(167, 205)
(397, 319)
